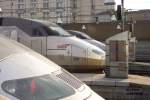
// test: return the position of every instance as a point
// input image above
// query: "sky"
(135, 4)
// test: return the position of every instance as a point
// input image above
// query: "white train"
(87, 38)
(26, 75)
(53, 42)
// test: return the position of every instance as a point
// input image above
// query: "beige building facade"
(68, 11)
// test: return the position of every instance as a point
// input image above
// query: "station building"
(69, 11)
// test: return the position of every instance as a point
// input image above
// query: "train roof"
(4, 20)
(9, 47)
(32, 27)
(47, 23)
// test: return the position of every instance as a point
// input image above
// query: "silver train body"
(87, 38)
(53, 42)
(26, 75)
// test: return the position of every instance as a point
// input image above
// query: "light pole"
(84, 28)
(11, 7)
(123, 15)
(112, 2)
(0, 12)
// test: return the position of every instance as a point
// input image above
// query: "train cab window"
(80, 35)
(47, 87)
(53, 29)
(39, 31)
(59, 31)
(49, 32)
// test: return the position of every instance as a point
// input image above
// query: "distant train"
(26, 75)
(87, 38)
(53, 42)
(143, 51)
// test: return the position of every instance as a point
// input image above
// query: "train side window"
(36, 32)
(80, 36)
(77, 35)
(73, 33)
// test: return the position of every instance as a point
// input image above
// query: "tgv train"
(53, 42)
(26, 75)
(87, 38)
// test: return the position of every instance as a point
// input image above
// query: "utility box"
(117, 55)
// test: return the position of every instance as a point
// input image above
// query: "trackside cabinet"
(117, 55)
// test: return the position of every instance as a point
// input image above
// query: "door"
(58, 50)
(78, 55)
(36, 45)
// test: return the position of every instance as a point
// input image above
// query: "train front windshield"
(54, 29)
(47, 87)
(59, 31)
(80, 35)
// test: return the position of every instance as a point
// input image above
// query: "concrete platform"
(99, 79)
(134, 88)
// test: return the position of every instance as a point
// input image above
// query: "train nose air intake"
(70, 79)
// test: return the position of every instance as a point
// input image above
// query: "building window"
(59, 14)
(46, 5)
(33, 14)
(20, 6)
(34, 5)
(45, 15)
(45, 0)
(33, 0)
(59, 3)
(20, 0)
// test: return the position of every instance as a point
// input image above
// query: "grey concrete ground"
(134, 88)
